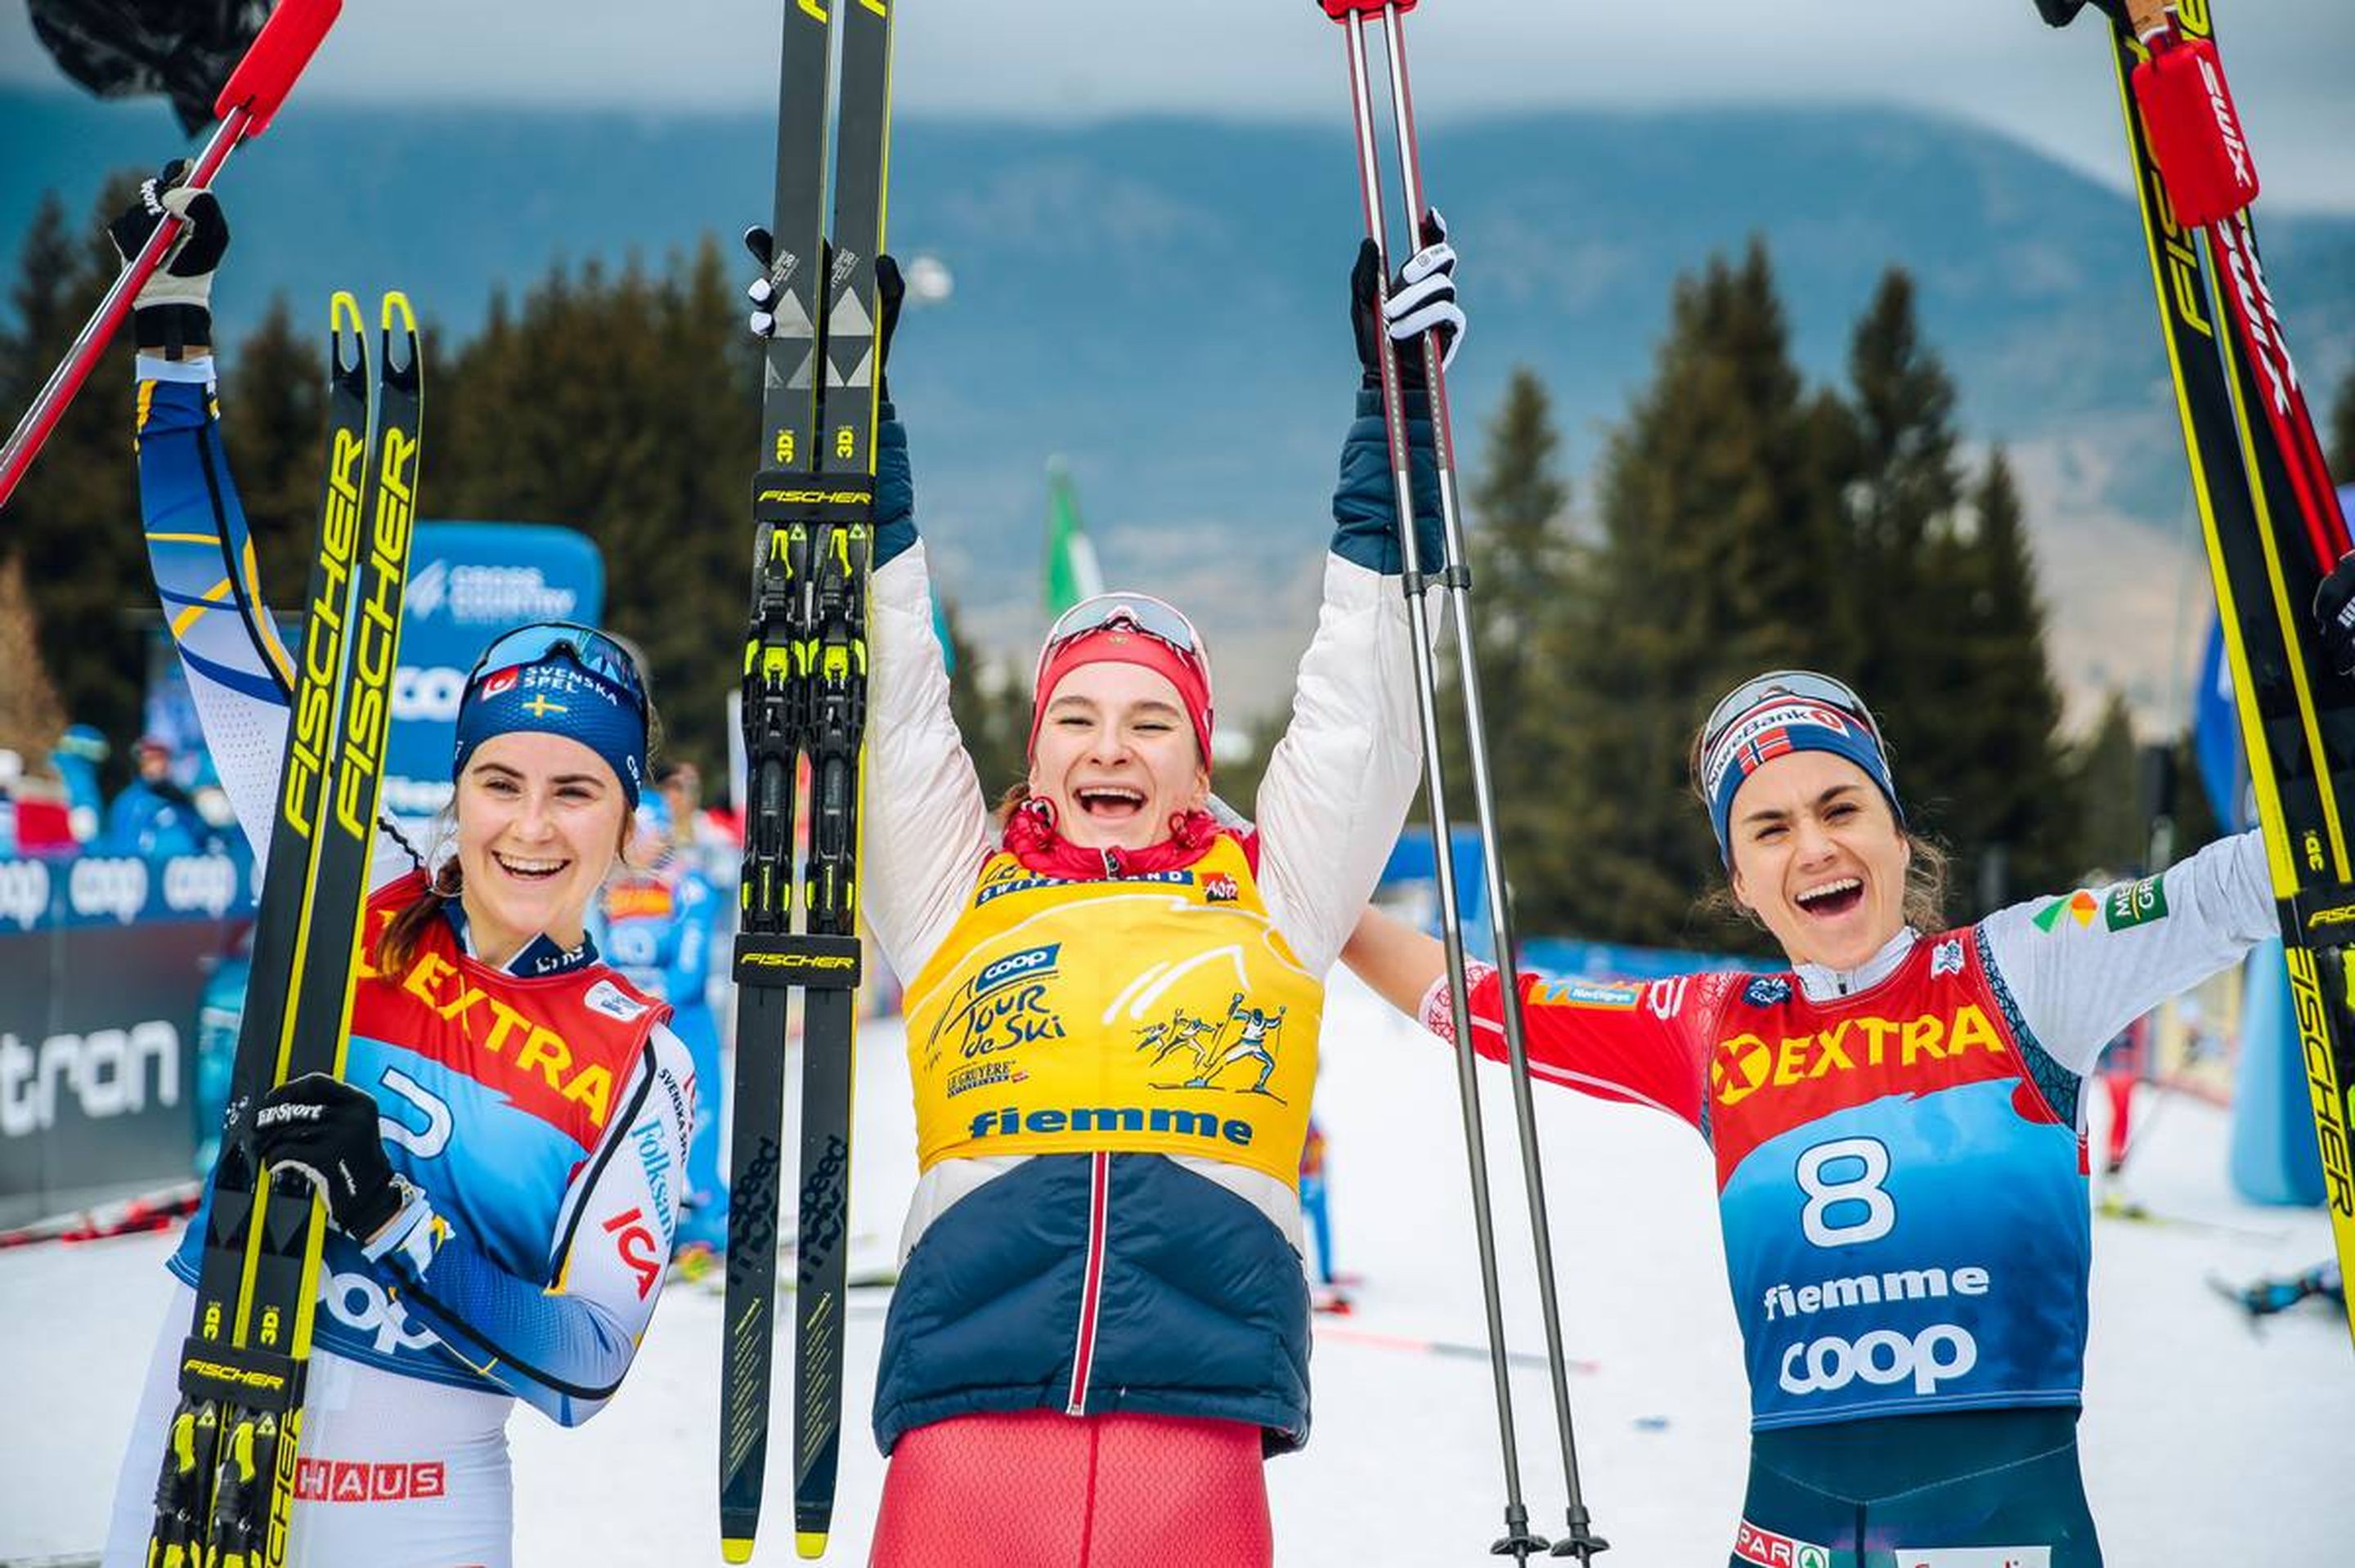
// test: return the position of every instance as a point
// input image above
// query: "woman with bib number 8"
(1901, 1158)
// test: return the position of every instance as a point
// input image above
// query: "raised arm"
(198, 546)
(1339, 784)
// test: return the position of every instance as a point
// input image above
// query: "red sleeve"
(1639, 1045)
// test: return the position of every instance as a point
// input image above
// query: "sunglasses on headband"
(1805, 684)
(593, 650)
(1138, 612)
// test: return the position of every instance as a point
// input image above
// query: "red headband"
(1119, 644)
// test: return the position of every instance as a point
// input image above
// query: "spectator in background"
(154, 816)
(77, 755)
(712, 840)
(33, 816)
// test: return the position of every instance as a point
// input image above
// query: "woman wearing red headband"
(1895, 1123)
(1101, 1325)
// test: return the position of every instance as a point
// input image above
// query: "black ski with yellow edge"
(227, 1493)
(2273, 529)
(805, 704)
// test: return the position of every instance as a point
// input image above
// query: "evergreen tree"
(273, 423)
(1903, 484)
(624, 406)
(1525, 569)
(2002, 798)
(2106, 773)
(73, 523)
(31, 714)
(1723, 554)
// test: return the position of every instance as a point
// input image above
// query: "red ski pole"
(255, 89)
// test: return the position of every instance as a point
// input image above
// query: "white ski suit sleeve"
(2084, 965)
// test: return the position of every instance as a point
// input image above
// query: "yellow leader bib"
(1161, 1012)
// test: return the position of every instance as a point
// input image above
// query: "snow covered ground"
(2206, 1442)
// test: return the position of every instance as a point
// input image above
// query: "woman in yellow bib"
(1101, 1322)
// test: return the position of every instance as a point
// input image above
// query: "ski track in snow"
(2206, 1440)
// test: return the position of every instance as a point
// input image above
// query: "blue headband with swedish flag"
(557, 678)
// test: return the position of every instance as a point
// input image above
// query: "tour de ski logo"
(1767, 990)
(1947, 957)
(1003, 1006)
(1244, 1040)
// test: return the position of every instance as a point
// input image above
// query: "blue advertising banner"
(103, 963)
(468, 582)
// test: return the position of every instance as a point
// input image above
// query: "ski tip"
(736, 1548)
(398, 316)
(810, 1544)
(344, 313)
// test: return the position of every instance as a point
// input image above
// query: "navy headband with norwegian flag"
(1791, 710)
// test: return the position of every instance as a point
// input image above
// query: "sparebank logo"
(108, 886)
(431, 694)
(23, 893)
(194, 882)
(103, 1074)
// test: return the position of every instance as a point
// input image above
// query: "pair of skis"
(804, 697)
(2269, 517)
(1452, 576)
(227, 1491)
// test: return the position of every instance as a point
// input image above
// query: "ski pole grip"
(2146, 17)
(2195, 133)
(1342, 10)
(280, 51)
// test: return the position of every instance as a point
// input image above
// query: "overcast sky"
(2292, 62)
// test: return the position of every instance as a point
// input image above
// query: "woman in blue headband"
(502, 1160)
(1895, 1120)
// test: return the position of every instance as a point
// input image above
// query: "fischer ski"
(226, 1494)
(2268, 514)
(805, 701)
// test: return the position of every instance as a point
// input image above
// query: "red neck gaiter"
(1032, 839)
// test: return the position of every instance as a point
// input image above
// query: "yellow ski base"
(736, 1549)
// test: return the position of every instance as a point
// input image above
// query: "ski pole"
(1355, 16)
(245, 107)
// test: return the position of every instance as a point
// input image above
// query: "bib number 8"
(1857, 1168)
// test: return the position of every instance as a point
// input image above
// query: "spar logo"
(23, 893)
(205, 883)
(1763, 1547)
(105, 1073)
(108, 886)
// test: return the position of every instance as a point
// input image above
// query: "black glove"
(2334, 614)
(174, 309)
(2060, 13)
(1422, 296)
(325, 1131)
(890, 291)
